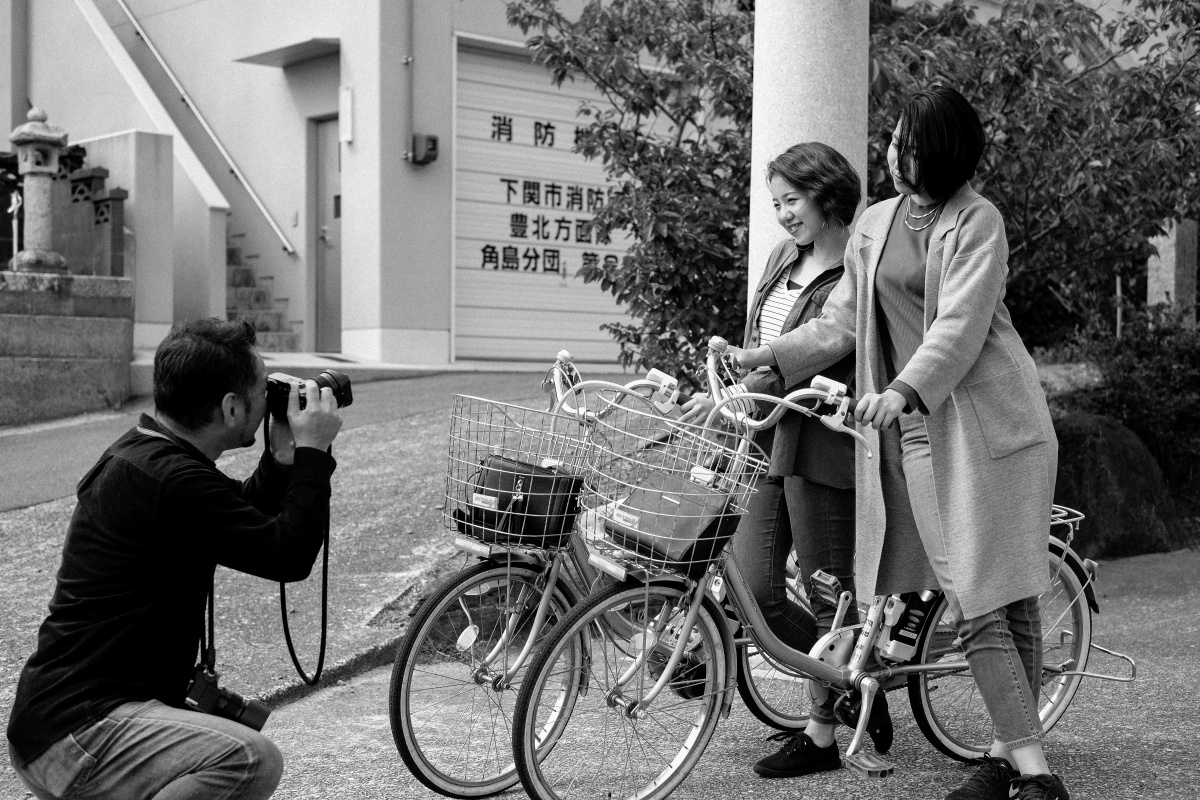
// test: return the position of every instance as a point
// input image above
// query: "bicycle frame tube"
(539, 619)
(685, 631)
(747, 608)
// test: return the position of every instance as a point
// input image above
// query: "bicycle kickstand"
(868, 765)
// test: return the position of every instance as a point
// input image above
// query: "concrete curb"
(373, 656)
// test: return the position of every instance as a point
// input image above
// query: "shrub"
(1152, 386)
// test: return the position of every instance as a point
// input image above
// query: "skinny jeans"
(151, 751)
(1003, 646)
(818, 521)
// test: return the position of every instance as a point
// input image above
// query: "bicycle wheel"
(574, 737)
(777, 695)
(947, 705)
(452, 728)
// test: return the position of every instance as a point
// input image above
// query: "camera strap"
(287, 632)
(208, 632)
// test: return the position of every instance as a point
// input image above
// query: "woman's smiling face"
(795, 211)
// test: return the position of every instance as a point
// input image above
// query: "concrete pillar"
(14, 63)
(1171, 275)
(810, 84)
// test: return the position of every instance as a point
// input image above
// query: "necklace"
(930, 213)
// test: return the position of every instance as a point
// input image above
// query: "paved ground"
(1118, 741)
(387, 534)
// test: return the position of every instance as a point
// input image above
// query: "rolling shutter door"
(523, 205)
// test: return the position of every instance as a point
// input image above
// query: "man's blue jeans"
(147, 750)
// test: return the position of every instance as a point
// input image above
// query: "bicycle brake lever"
(861, 440)
(834, 423)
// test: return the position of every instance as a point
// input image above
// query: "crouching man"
(100, 707)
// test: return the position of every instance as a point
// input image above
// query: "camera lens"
(279, 385)
(339, 383)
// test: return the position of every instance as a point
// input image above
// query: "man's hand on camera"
(318, 423)
(283, 444)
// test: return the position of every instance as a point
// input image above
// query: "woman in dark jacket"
(806, 502)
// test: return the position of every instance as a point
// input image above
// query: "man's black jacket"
(154, 518)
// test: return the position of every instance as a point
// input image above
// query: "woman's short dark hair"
(822, 173)
(198, 363)
(940, 141)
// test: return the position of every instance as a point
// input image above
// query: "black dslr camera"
(205, 696)
(280, 385)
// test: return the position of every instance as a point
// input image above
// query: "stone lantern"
(38, 146)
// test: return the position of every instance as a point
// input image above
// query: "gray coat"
(992, 443)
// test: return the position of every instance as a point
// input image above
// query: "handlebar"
(564, 380)
(823, 390)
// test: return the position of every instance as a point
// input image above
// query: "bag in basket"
(671, 518)
(514, 502)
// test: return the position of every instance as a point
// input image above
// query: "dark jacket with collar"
(799, 445)
(154, 518)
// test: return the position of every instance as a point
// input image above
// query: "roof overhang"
(293, 54)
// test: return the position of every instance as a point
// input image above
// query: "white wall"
(141, 163)
(74, 55)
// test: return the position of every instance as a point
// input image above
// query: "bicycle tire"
(452, 731)
(593, 752)
(947, 706)
(773, 693)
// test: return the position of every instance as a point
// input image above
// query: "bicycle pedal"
(869, 765)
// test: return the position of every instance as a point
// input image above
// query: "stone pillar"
(1171, 275)
(810, 84)
(38, 146)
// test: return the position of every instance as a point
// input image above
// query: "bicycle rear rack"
(1083, 674)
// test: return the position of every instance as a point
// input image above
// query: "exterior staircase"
(252, 296)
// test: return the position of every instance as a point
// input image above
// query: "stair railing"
(233, 167)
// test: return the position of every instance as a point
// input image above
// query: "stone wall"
(66, 342)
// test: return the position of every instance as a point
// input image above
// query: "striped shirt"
(776, 308)
(774, 312)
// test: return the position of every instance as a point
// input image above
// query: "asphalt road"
(43, 462)
(387, 535)
(1117, 741)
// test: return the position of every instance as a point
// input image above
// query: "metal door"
(328, 323)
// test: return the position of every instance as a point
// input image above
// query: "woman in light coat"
(960, 496)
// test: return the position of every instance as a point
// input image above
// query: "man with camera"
(101, 708)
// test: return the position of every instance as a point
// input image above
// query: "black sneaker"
(1040, 787)
(990, 782)
(799, 756)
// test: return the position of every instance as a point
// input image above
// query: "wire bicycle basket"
(666, 495)
(513, 474)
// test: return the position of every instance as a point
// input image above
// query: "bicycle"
(630, 715)
(511, 496)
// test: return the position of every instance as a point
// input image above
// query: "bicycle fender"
(514, 557)
(1072, 559)
(718, 614)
